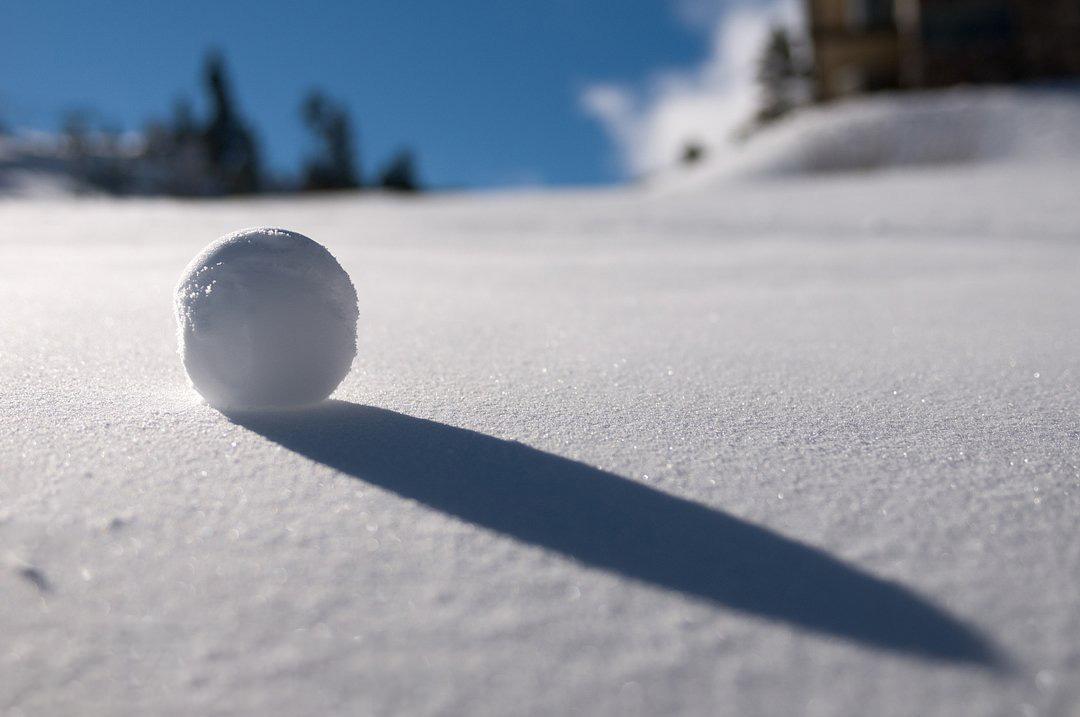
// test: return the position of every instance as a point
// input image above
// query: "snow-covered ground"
(1030, 125)
(787, 446)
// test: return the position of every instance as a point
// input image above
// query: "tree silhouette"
(781, 77)
(230, 148)
(399, 174)
(187, 170)
(76, 132)
(184, 126)
(334, 166)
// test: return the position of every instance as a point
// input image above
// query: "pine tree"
(399, 174)
(229, 144)
(780, 76)
(334, 167)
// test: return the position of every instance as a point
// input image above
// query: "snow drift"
(35, 166)
(957, 126)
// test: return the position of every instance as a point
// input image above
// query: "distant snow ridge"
(35, 166)
(959, 126)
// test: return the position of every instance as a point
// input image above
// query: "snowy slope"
(958, 126)
(34, 166)
(788, 447)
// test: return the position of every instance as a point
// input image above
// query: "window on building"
(870, 14)
(967, 21)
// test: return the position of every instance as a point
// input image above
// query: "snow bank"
(34, 165)
(958, 126)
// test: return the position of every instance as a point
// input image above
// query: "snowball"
(266, 318)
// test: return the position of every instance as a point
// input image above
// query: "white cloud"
(651, 126)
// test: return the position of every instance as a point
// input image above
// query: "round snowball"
(266, 318)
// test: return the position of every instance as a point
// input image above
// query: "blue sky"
(486, 91)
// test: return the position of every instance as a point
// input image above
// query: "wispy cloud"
(652, 124)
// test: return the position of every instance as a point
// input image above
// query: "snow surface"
(266, 318)
(965, 125)
(798, 446)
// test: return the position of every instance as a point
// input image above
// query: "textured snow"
(266, 318)
(803, 446)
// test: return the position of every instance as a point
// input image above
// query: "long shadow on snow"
(615, 524)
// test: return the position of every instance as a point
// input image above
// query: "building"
(868, 45)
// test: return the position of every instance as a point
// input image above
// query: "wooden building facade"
(866, 45)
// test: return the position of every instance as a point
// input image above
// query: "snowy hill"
(799, 446)
(35, 167)
(959, 126)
